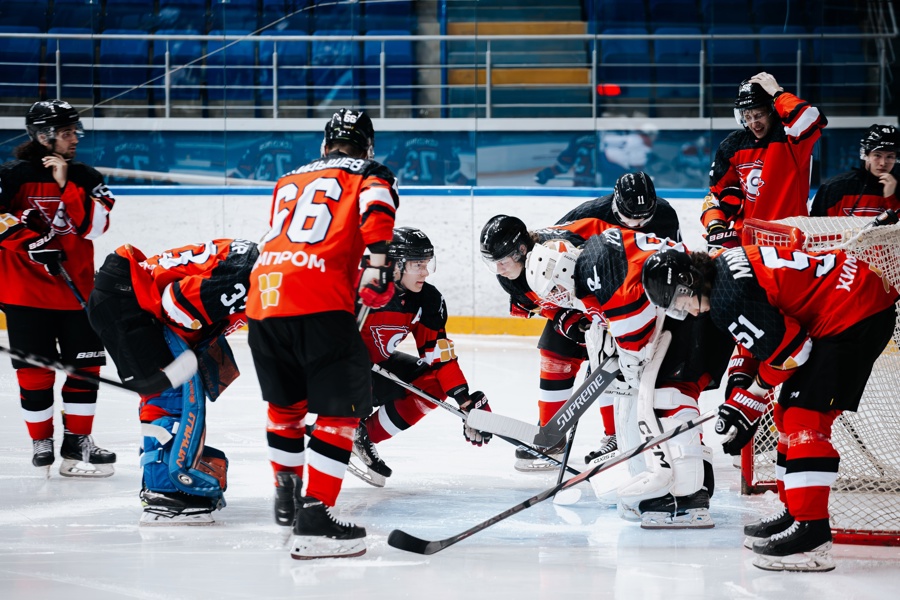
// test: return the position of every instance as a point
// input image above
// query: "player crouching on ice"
(671, 486)
(154, 315)
(416, 308)
(816, 323)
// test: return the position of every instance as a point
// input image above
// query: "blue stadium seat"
(26, 51)
(626, 63)
(719, 13)
(187, 81)
(183, 15)
(76, 14)
(386, 16)
(778, 56)
(292, 15)
(334, 76)
(15, 13)
(777, 13)
(76, 57)
(293, 68)
(239, 59)
(728, 58)
(135, 15)
(603, 14)
(673, 13)
(399, 67)
(233, 15)
(841, 75)
(124, 65)
(329, 15)
(677, 63)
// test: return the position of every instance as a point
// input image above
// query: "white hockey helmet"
(550, 272)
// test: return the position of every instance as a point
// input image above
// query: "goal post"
(865, 499)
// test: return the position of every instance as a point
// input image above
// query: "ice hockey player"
(815, 323)
(418, 309)
(763, 170)
(505, 243)
(603, 279)
(153, 314)
(868, 190)
(305, 341)
(51, 208)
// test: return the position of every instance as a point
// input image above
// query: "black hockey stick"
(68, 279)
(404, 541)
(176, 373)
(448, 407)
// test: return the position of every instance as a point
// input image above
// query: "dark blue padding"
(124, 64)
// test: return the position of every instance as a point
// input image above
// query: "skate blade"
(749, 541)
(819, 559)
(154, 520)
(370, 477)
(78, 468)
(305, 547)
(528, 465)
(691, 520)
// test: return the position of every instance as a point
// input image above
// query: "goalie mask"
(751, 96)
(45, 118)
(671, 282)
(351, 127)
(412, 252)
(550, 272)
(879, 137)
(634, 200)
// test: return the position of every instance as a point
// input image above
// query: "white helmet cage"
(550, 272)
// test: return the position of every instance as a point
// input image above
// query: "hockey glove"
(544, 175)
(466, 403)
(572, 324)
(49, 258)
(35, 221)
(719, 236)
(739, 418)
(631, 367)
(741, 371)
(376, 284)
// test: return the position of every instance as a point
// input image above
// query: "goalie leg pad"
(687, 455)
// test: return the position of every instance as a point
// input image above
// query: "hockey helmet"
(411, 244)
(550, 272)
(634, 199)
(669, 277)
(879, 137)
(46, 117)
(751, 95)
(501, 237)
(353, 127)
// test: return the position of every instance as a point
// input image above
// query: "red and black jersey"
(856, 193)
(772, 173)
(324, 214)
(424, 315)
(196, 288)
(776, 301)
(77, 214)
(663, 223)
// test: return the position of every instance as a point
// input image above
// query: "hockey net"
(865, 498)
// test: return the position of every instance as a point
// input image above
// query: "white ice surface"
(73, 539)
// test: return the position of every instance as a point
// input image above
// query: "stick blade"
(404, 541)
(501, 425)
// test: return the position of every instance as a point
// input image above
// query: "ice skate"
(804, 546)
(766, 527)
(81, 458)
(526, 463)
(175, 508)
(682, 512)
(317, 534)
(373, 470)
(288, 488)
(609, 448)
(43, 456)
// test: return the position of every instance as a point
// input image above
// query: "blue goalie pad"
(216, 365)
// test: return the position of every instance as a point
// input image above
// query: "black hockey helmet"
(879, 137)
(502, 236)
(751, 95)
(353, 127)
(634, 198)
(47, 116)
(410, 244)
(669, 275)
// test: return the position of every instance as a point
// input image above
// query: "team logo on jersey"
(388, 337)
(54, 212)
(751, 179)
(6, 222)
(269, 295)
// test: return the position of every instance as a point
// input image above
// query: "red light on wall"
(608, 89)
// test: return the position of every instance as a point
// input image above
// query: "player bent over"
(306, 345)
(416, 308)
(816, 322)
(670, 487)
(150, 311)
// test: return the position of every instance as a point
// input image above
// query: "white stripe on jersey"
(82, 409)
(286, 459)
(323, 464)
(37, 416)
(375, 194)
(173, 311)
(803, 123)
(793, 481)
(99, 221)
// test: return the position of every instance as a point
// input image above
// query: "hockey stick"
(404, 541)
(426, 396)
(175, 374)
(68, 279)
(554, 430)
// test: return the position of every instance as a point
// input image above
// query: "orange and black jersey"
(323, 216)
(772, 173)
(424, 315)
(77, 214)
(199, 289)
(776, 301)
(856, 193)
(663, 223)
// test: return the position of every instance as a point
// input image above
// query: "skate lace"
(775, 517)
(787, 532)
(362, 435)
(43, 446)
(609, 444)
(337, 521)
